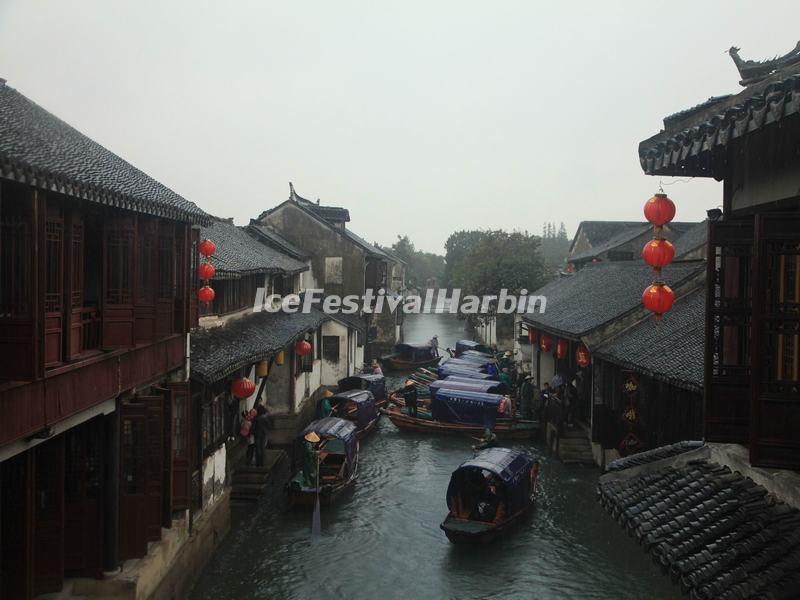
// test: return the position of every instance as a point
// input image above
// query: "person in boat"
(310, 458)
(505, 377)
(376, 368)
(489, 440)
(505, 361)
(410, 398)
(434, 344)
(487, 508)
(325, 404)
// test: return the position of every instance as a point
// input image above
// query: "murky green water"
(383, 539)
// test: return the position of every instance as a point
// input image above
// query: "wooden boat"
(338, 463)
(358, 406)
(462, 412)
(366, 381)
(489, 494)
(465, 345)
(407, 357)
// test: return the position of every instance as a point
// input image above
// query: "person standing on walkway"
(260, 425)
(526, 397)
(434, 344)
(410, 398)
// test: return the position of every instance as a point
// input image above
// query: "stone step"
(248, 488)
(246, 477)
(585, 458)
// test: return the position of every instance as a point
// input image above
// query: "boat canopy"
(469, 364)
(366, 410)
(416, 352)
(509, 468)
(473, 355)
(338, 429)
(374, 383)
(462, 371)
(465, 406)
(474, 385)
(464, 345)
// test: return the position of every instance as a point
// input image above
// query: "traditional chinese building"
(721, 516)
(97, 299)
(342, 262)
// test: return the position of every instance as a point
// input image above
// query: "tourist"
(410, 398)
(310, 458)
(260, 424)
(376, 368)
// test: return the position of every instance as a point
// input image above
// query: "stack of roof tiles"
(716, 533)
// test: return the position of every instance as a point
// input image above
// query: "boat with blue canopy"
(336, 462)
(463, 371)
(358, 406)
(407, 357)
(464, 345)
(487, 386)
(366, 381)
(489, 494)
(463, 412)
(467, 364)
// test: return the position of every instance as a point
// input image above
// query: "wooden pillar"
(111, 555)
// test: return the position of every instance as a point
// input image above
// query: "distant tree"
(562, 231)
(420, 266)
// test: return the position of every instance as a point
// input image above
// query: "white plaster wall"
(306, 384)
(214, 476)
(332, 372)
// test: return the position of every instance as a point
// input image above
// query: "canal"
(383, 539)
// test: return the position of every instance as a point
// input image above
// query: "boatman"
(410, 398)
(310, 458)
(434, 344)
(489, 440)
(325, 404)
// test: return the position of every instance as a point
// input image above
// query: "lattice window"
(15, 264)
(147, 264)
(179, 426)
(166, 266)
(133, 455)
(76, 295)
(54, 266)
(781, 319)
(118, 276)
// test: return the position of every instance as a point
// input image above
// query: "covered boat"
(487, 386)
(462, 412)
(463, 371)
(489, 494)
(468, 364)
(374, 383)
(358, 406)
(464, 345)
(337, 460)
(407, 357)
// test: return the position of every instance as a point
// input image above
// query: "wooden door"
(728, 331)
(83, 499)
(775, 414)
(54, 286)
(181, 457)
(16, 543)
(154, 478)
(75, 276)
(133, 474)
(118, 273)
(48, 533)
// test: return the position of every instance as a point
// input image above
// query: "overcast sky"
(421, 117)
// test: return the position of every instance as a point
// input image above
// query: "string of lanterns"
(206, 272)
(658, 253)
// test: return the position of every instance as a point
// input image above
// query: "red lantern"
(243, 388)
(561, 348)
(302, 348)
(582, 356)
(545, 342)
(658, 253)
(658, 298)
(207, 248)
(659, 210)
(206, 271)
(531, 336)
(205, 294)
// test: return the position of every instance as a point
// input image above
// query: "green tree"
(421, 267)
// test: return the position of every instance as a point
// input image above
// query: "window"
(15, 257)
(330, 348)
(333, 269)
(118, 268)
(213, 420)
(166, 266)
(54, 272)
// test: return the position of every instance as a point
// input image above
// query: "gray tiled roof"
(684, 147)
(600, 293)
(239, 253)
(273, 238)
(219, 351)
(599, 232)
(39, 149)
(692, 239)
(716, 533)
(370, 248)
(670, 349)
(627, 233)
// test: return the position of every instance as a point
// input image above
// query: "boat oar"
(316, 520)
